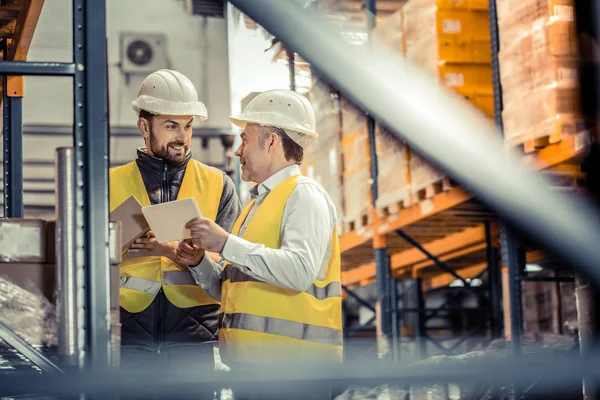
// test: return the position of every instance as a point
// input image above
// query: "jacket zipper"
(165, 185)
(160, 306)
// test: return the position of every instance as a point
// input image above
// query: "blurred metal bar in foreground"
(182, 379)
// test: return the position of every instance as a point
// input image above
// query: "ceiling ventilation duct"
(206, 8)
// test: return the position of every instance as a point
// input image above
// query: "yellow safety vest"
(143, 277)
(262, 323)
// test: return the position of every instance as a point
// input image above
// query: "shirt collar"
(274, 180)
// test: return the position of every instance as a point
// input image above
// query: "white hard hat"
(283, 109)
(167, 92)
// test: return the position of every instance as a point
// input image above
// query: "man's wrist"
(201, 258)
(225, 239)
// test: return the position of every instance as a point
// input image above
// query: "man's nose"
(181, 135)
(238, 151)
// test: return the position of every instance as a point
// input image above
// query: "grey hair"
(291, 149)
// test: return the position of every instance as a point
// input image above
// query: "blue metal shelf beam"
(37, 68)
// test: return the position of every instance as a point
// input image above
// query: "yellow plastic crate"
(484, 102)
(447, 4)
(430, 46)
(467, 79)
(458, 36)
(463, 4)
(477, 52)
(462, 26)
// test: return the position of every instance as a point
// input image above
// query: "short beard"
(163, 152)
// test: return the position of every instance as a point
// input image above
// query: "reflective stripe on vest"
(282, 327)
(178, 278)
(140, 284)
(263, 323)
(333, 289)
(152, 287)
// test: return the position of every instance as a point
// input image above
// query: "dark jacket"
(163, 325)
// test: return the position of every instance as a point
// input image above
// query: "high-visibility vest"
(262, 323)
(143, 277)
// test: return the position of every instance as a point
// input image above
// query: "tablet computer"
(133, 223)
(168, 220)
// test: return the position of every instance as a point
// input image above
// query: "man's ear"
(273, 141)
(144, 127)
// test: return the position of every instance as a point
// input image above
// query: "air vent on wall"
(206, 8)
(143, 52)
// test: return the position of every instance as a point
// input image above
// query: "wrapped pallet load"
(356, 170)
(389, 33)
(323, 160)
(450, 40)
(393, 177)
(392, 154)
(538, 67)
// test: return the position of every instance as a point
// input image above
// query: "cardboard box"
(22, 240)
(35, 277)
(446, 27)
(393, 170)
(323, 160)
(422, 174)
(548, 111)
(133, 223)
(389, 34)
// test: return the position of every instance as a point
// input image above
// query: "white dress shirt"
(309, 218)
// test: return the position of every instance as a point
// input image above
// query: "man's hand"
(188, 254)
(149, 246)
(206, 234)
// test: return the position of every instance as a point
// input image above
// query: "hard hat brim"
(164, 107)
(242, 120)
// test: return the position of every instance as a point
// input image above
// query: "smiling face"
(167, 137)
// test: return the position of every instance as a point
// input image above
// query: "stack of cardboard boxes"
(393, 157)
(538, 67)
(450, 40)
(340, 160)
(29, 265)
(389, 34)
(323, 160)
(357, 165)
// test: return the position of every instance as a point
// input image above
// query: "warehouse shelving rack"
(451, 227)
(91, 147)
(190, 382)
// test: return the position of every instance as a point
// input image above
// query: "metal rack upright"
(91, 147)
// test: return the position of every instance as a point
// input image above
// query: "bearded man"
(165, 315)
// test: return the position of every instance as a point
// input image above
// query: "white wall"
(251, 69)
(196, 47)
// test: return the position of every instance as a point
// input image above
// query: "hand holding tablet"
(168, 220)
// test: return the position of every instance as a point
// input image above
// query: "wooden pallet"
(532, 145)
(356, 223)
(437, 187)
(392, 206)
